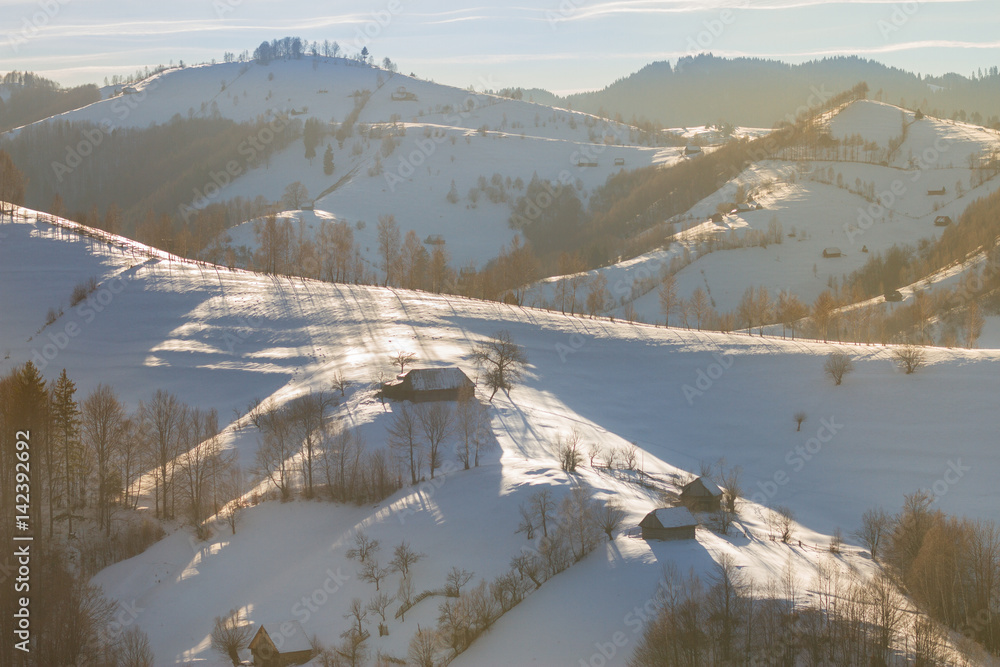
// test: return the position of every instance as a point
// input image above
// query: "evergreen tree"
(328, 160)
(66, 422)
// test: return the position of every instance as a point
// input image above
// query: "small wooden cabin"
(669, 523)
(938, 192)
(692, 150)
(942, 221)
(701, 494)
(831, 252)
(430, 384)
(280, 644)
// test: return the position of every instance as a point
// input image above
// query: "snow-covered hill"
(220, 338)
(442, 135)
(818, 205)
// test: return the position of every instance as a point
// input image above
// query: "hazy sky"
(561, 45)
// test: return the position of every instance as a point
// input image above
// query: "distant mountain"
(754, 92)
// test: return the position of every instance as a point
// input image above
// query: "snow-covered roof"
(287, 636)
(431, 379)
(675, 517)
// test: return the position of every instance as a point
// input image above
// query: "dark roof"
(293, 640)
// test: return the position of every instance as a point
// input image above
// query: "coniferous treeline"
(34, 97)
(703, 90)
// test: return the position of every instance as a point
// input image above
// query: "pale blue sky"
(561, 45)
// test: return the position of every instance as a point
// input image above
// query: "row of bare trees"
(949, 565)
(732, 620)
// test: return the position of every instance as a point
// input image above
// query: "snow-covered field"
(220, 338)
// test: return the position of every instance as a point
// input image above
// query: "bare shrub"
(837, 365)
(910, 358)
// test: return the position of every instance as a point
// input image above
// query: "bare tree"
(103, 422)
(799, 417)
(198, 462)
(405, 596)
(837, 365)
(781, 520)
(473, 426)
(372, 572)
(403, 558)
(134, 650)
(610, 516)
(389, 247)
(275, 449)
(543, 507)
(455, 580)
(295, 195)
(233, 487)
(364, 548)
(403, 437)
(503, 361)
(700, 307)
(909, 357)
(340, 383)
(402, 359)
(668, 296)
(570, 455)
(230, 634)
(732, 486)
(875, 527)
(377, 605)
(436, 422)
(422, 650)
(527, 525)
(163, 414)
(577, 517)
(307, 418)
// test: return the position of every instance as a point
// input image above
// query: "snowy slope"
(219, 338)
(819, 202)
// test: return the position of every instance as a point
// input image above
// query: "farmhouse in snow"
(280, 645)
(669, 523)
(701, 494)
(831, 252)
(430, 384)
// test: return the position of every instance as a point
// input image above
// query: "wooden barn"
(280, 644)
(701, 494)
(942, 221)
(430, 384)
(669, 523)
(831, 252)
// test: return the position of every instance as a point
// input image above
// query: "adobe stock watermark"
(706, 377)
(427, 146)
(87, 311)
(250, 149)
(796, 459)
(121, 107)
(33, 24)
(953, 474)
(564, 12)
(896, 191)
(901, 14)
(573, 345)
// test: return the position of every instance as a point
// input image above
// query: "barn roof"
(708, 484)
(287, 636)
(670, 517)
(433, 379)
